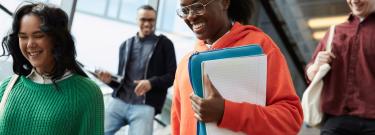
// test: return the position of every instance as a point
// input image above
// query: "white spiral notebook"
(238, 79)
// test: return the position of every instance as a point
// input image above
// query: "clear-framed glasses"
(194, 9)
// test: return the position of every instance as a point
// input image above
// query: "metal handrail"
(5, 10)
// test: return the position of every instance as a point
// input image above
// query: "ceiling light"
(318, 35)
(324, 22)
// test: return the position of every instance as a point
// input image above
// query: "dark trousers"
(348, 125)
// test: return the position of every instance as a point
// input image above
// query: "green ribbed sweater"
(76, 108)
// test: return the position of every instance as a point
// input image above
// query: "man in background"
(147, 63)
(347, 97)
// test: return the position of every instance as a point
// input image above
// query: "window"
(96, 7)
(169, 21)
(128, 9)
(6, 23)
(113, 8)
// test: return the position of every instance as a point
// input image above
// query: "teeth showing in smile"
(35, 53)
(198, 26)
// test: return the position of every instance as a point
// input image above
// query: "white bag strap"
(330, 38)
(7, 91)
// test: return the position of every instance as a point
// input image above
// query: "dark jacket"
(160, 70)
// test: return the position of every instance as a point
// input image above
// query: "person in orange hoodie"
(219, 24)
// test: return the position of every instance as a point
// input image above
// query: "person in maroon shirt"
(348, 94)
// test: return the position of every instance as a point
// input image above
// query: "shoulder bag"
(7, 91)
(311, 106)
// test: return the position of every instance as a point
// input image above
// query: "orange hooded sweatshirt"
(282, 114)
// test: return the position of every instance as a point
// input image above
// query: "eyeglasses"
(195, 9)
(147, 19)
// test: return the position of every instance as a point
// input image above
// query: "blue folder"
(195, 70)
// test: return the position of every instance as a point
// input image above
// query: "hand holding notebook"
(238, 74)
(211, 107)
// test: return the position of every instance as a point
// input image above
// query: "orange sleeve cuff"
(231, 119)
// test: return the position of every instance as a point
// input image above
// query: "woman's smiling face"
(211, 22)
(35, 45)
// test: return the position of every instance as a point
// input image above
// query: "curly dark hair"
(241, 10)
(54, 23)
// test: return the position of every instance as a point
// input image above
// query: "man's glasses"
(147, 19)
(194, 9)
